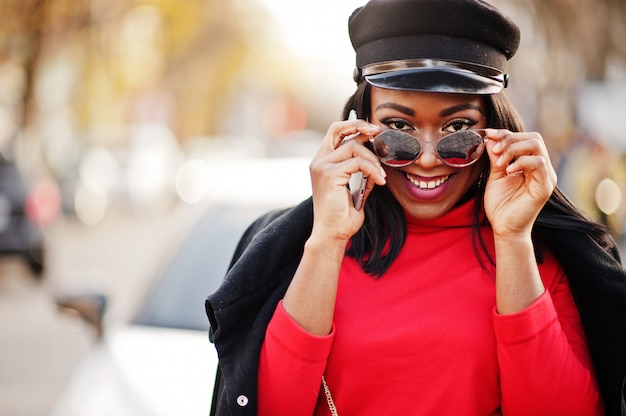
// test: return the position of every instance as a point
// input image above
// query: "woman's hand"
(520, 183)
(310, 298)
(341, 154)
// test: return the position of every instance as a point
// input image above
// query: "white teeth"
(426, 185)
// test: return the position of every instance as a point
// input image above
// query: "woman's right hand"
(335, 216)
(310, 298)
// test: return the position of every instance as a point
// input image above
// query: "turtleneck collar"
(459, 216)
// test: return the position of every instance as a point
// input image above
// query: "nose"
(428, 157)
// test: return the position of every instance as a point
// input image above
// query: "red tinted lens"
(395, 148)
(461, 148)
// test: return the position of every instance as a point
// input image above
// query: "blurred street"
(40, 346)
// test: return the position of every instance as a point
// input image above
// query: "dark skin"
(520, 182)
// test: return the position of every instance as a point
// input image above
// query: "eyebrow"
(406, 110)
(444, 113)
(461, 107)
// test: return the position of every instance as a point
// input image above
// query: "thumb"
(496, 161)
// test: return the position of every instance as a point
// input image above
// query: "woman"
(467, 284)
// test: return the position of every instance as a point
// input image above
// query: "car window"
(176, 299)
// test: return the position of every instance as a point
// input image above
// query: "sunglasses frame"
(479, 132)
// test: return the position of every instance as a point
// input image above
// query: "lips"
(426, 184)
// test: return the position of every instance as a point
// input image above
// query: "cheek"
(470, 176)
(395, 179)
(478, 170)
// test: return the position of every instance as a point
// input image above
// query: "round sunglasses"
(397, 149)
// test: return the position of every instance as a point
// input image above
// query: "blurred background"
(119, 116)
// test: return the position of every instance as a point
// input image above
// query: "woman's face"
(428, 188)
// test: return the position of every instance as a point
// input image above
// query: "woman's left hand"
(521, 181)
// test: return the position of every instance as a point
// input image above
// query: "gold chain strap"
(329, 398)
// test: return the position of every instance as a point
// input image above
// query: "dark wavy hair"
(377, 244)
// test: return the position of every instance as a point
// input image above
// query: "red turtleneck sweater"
(425, 339)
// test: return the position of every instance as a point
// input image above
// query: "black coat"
(269, 253)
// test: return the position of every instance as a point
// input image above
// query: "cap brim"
(436, 80)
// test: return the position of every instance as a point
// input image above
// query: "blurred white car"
(161, 362)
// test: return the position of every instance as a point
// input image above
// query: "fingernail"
(374, 128)
(496, 147)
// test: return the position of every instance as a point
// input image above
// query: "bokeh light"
(608, 196)
(192, 180)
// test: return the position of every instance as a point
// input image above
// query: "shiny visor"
(435, 76)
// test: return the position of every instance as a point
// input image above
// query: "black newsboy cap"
(433, 45)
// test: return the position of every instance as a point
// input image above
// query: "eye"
(458, 125)
(398, 124)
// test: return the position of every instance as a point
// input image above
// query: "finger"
(505, 140)
(496, 169)
(356, 130)
(365, 160)
(342, 163)
(369, 166)
(513, 146)
(537, 167)
(338, 131)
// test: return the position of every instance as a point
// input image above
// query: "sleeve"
(545, 365)
(291, 366)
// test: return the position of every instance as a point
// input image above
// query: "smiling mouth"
(426, 184)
